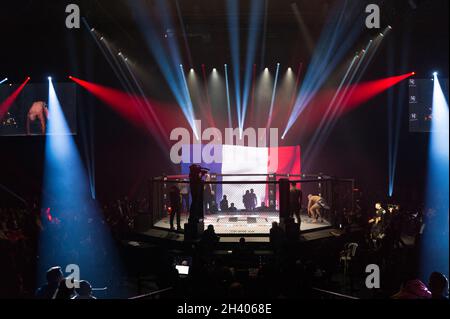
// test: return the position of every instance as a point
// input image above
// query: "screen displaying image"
(29, 112)
(421, 103)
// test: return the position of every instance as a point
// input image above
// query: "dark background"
(37, 44)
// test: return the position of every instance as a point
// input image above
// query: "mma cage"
(258, 210)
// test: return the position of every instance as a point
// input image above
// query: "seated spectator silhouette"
(232, 208)
(263, 207)
(242, 253)
(438, 285)
(224, 203)
(277, 236)
(64, 292)
(50, 289)
(209, 239)
(85, 291)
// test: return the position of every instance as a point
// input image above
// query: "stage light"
(435, 73)
(381, 34)
(413, 73)
(389, 27)
(214, 70)
(102, 38)
(4, 80)
(93, 29)
(119, 54)
(266, 70)
(192, 70)
(289, 69)
(49, 78)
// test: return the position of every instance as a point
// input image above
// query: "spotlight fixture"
(192, 70)
(93, 29)
(214, 70)
(413, 73)
(119, 54)
(102, 38)
(389, 27)
(266, 69)
(49, 78)
(381, 35)
(435, 73)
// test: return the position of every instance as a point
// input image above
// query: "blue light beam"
(74, 232)
(435, 236)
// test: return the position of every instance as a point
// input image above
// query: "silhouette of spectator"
(246, 199)
(85, 291)
(224, 203)
(253, 200)
(277, 236)
(242, 251)
(50, 289)
(438, 285)
(64, 292)
(209, 239)
(232, 208)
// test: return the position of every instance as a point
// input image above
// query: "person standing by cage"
(184, 191)
(175, 204)
(295, 202)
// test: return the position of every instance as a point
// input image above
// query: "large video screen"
(29, 113)
(421, 103)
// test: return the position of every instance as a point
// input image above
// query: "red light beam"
(4, 107)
